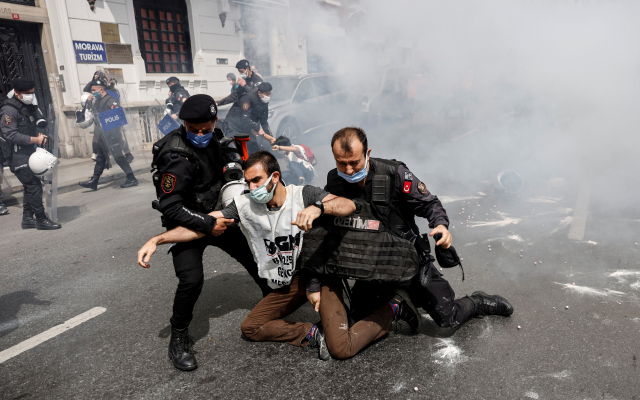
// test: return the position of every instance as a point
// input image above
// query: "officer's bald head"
(349, 140)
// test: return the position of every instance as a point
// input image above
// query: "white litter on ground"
(449, 352)
(532, 395)
(544, 199)
(452, 199)
(566, 221)
(398, 387)
(621, 274)
(504, 222)
(588, 290)
(562, 375)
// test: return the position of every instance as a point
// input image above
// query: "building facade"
(140, 43)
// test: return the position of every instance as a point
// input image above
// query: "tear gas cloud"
(546, 88)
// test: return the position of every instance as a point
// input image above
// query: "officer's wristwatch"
(320, 206)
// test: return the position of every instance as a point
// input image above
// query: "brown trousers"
(344, 341)
(265, 323)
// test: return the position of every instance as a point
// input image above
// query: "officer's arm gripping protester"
(273, 218)
(189, 163)
(358, 176)
(249, 115)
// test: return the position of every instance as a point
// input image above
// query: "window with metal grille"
(163, 35)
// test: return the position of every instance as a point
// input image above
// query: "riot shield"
(158, 123)
(50, 179)
(122, 137)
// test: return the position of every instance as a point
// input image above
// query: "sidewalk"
(73, 170)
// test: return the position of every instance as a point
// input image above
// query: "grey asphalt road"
(574, 333)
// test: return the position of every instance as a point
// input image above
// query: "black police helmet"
(243, 64)
(198, 108)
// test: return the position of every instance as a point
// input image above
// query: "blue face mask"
(199, 141)
(358, 176)
(261, 195)
(97, 95)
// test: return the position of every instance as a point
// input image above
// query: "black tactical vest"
(27, 122)
(368, 244)
(209, 163)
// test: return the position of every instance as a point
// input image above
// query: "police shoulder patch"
(8, 119)
(245, 106)
(168, 183)
(422, 188)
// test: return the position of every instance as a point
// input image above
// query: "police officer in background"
(189, 164)
(19, 124)
(358, 176)
(99, 101)
(177, 96)
(249, 114)
(249, 80)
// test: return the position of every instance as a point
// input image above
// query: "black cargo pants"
(187, 261)
(428, 290)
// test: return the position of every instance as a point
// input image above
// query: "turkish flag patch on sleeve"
(168, 183)
(407, 187)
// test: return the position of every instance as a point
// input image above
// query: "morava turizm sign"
(90, 52)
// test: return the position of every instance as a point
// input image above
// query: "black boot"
(130, 182)
(27, 221)
(491, 304)
(43, 223)
(181, 350)
(406, 310)
(92, 183)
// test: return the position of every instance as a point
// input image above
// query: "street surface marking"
(579, 223)
(46, 335)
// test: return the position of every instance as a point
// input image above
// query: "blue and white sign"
(168, 124)
(112, 119)
(90, 52)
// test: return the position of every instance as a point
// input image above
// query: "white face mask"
(230, 83)
(265, 99)
(28, 98)
(244, 75)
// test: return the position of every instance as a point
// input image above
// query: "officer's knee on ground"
(339, 351)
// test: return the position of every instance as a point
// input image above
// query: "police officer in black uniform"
(109, 142)
(248, 81)
(189, 177)
(355, 178)
(249, 115)
(177, 96)
(20, 120)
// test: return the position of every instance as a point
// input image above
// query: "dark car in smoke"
(384, 94)
(302, 104)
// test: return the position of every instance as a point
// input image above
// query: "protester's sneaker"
(181, 350)
(3, 210)
(317, 340)
(404, 309)
(491, 304)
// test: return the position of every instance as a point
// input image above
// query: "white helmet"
(83, 98)
(42, 161)
(84, 118)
